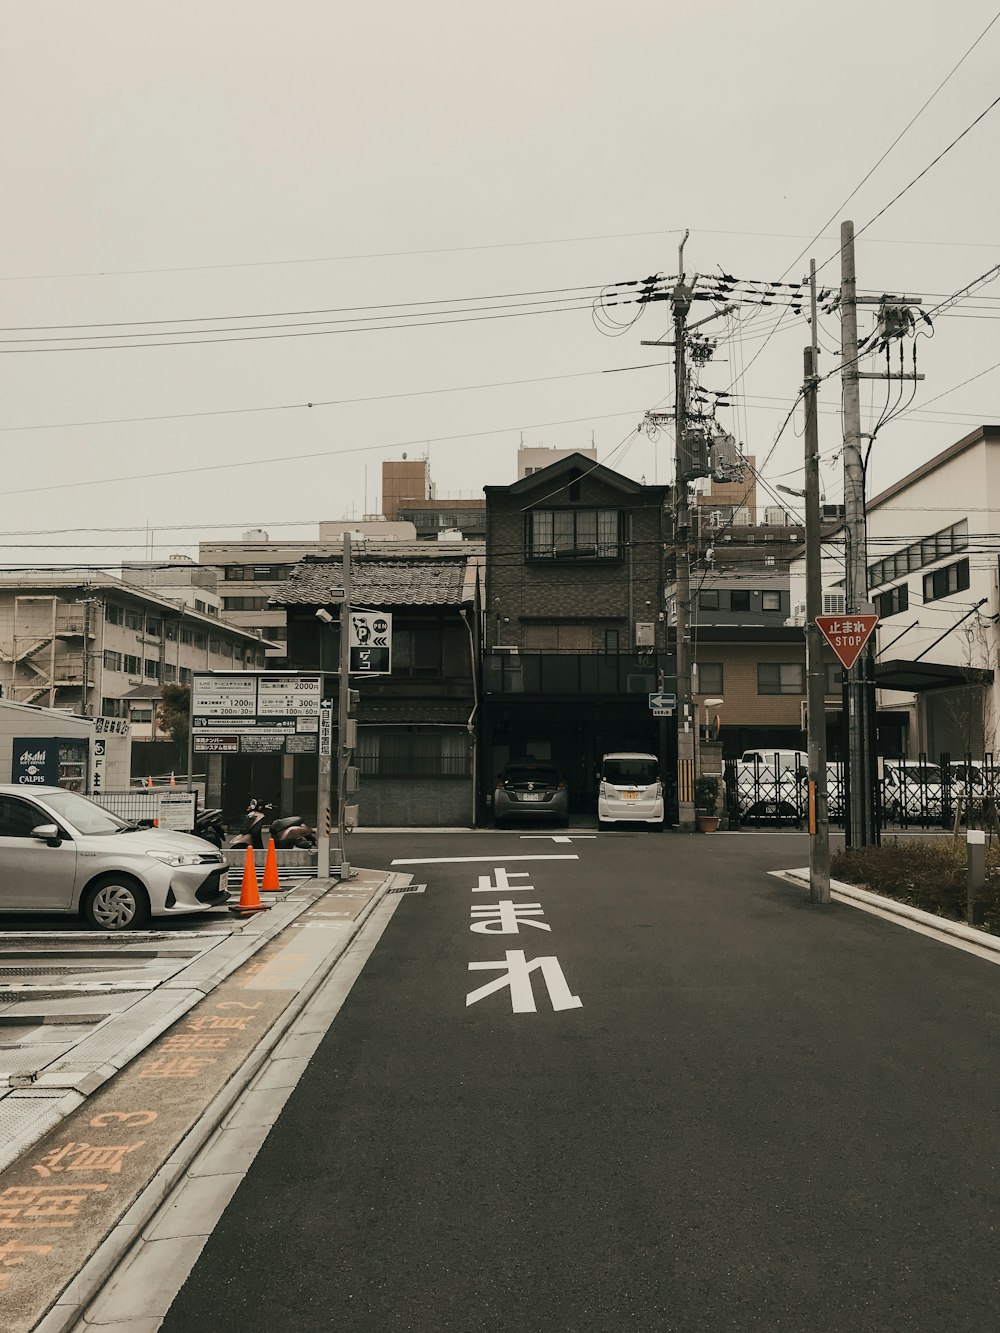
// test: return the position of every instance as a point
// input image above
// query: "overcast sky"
(212, 161)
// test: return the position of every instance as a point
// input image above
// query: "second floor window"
(943, 582)
(780, 678)
(112, 660)
(416, 652)
(574, 534)
(893, 600)
(709, 678)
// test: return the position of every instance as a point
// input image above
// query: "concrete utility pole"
(680, 300)
(344, 699)
(859, 766)
(819, 823)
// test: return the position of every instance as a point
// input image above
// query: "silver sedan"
(60, 852)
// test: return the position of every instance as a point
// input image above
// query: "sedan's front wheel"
(116, 903)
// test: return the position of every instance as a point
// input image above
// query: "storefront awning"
(918, 677)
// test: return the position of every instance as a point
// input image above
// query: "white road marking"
(518, 980)
(455, 860)
(557, 837)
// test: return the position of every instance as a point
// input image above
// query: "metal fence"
(922, 793)
(145, 806)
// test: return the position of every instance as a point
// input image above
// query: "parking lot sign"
(370, 641)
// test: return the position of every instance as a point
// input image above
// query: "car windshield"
(638, 772)
(542, 777)
(84, 815)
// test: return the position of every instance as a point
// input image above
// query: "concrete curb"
(939, 926)
(68, 1310)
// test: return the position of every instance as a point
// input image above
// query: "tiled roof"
(426, 582)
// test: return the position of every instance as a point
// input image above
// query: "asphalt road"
(728, 1109)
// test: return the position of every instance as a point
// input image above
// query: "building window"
(142, 715)
(739, 601)
(235, 573)
(132, 665)
(574, 534)
(216, 646)
(893, 600)
(111, 707)
(184, 675)
(416, 652)
(244, 603)
(200, 640)
(924, 552)
(269, 573)
(945, 581)
(612, 638)
(709, 678)
(113, 614)
(780, 678)
(834, 678)
(770, 601)
(171, 632)
(709, 601)
(112, 660)
(199, 605)
(151, 669)
(134, 620)
(169, 671)
(154, 628)
(187, 636)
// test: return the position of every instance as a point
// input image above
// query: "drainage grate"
(409, 888)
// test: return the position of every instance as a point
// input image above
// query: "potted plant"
(706, 799)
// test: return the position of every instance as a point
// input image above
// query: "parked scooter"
(292, 831)
(209, 826)
(251, 831)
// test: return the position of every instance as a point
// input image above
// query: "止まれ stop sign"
(847, 635)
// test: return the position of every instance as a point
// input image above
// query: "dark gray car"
(531, 791)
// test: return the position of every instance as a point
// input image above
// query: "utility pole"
(819, 824)
(859, 761)
(680, 300)
(344, 699)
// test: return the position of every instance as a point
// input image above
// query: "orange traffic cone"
(249, 894)
(269, 884)
(173, 780)
(149, 782)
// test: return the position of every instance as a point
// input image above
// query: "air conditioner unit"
(834, 603)
(645, 634)
(798, 616)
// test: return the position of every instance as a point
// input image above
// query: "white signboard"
(224, 696)
(289, 696)
(370, 641)
(177, 811)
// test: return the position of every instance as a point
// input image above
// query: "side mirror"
(47, 833)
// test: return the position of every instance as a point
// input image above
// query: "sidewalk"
(132, 1104)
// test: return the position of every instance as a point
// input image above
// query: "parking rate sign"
(847, 635)
(370, 643)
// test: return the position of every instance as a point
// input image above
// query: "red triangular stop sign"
(847, 635)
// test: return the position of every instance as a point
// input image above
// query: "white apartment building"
(94, 644)
(934, 578)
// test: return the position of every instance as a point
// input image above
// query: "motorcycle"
(292, 831)
(251, 831)
(209, 826)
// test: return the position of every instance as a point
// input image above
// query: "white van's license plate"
(630, 795)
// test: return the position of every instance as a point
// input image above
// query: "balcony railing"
(569, 673)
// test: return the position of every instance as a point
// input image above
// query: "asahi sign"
(248, 712)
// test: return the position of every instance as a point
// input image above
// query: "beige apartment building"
(95, 644)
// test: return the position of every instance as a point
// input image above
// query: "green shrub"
(706, 793)
(926, 874)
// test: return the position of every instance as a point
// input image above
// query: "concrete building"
(933, 578)
(409, 494)
(181, 580)
(85, 641)
(532, 458)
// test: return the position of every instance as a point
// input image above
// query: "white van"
(630, 790)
